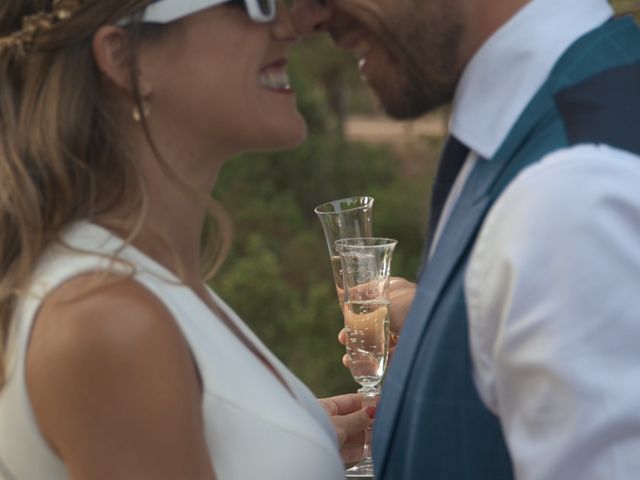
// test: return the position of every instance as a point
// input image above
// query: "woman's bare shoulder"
(108, 371)
(96, 314)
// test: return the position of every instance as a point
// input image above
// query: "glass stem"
(369, 399)
(366, 453)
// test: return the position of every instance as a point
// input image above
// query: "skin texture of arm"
(113, 384)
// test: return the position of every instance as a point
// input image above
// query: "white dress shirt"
(507, 71)
(553, 283)
(553, 296)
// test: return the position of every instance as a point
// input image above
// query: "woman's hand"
(401, 295)
(350, 420)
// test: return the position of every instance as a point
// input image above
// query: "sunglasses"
(165, 11)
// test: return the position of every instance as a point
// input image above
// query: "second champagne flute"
(366, 269)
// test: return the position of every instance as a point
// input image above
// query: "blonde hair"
(61, 153)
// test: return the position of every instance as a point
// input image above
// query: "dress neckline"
(112, 243)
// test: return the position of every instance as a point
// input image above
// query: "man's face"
(409, 51)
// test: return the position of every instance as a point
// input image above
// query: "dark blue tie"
(451, 161)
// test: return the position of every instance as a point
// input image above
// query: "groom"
(519, 357)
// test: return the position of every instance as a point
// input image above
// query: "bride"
(117, 360)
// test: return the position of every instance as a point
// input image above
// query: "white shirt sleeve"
(553, 295)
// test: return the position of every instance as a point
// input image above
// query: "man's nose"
(310, 16)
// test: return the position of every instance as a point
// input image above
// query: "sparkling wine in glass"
(367, 326)
(366, 271)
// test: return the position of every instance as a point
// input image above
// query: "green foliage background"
(278, 276)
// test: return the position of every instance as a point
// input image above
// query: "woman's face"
(219, 80)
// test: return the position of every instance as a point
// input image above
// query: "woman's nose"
(283, 28)
(310, 16)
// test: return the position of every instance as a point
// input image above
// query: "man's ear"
(112, 54)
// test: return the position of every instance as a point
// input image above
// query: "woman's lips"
(275, 77)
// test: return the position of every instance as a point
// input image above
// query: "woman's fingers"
(342, 404)
(350, 424)
(351, 453)
(355, 439)
(348, 417)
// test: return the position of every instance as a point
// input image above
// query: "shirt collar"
(513, 64)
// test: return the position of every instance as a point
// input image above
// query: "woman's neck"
(171, 229)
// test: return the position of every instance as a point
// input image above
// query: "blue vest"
(431, 424)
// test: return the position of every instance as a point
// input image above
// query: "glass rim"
(369, 203)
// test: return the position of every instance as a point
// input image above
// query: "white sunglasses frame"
(166, 11)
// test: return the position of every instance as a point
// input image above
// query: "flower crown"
(37, 23)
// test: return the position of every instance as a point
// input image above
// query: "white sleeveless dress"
(255, 429)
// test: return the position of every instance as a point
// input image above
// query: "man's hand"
(350, 420)
(401, 295)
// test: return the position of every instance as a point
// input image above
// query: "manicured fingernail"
(371, 411)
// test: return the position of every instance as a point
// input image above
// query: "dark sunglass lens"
(267, 6)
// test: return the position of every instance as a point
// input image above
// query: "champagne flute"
(366, 269)
(345, 218)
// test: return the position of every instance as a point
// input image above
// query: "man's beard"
(427, 65)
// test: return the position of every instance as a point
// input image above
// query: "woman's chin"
(298, 137)
(287, 139)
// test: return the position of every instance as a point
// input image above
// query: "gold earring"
(146, 111)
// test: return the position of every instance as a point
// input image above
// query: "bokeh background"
(278, 276)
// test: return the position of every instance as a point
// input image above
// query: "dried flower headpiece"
(39, 22)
